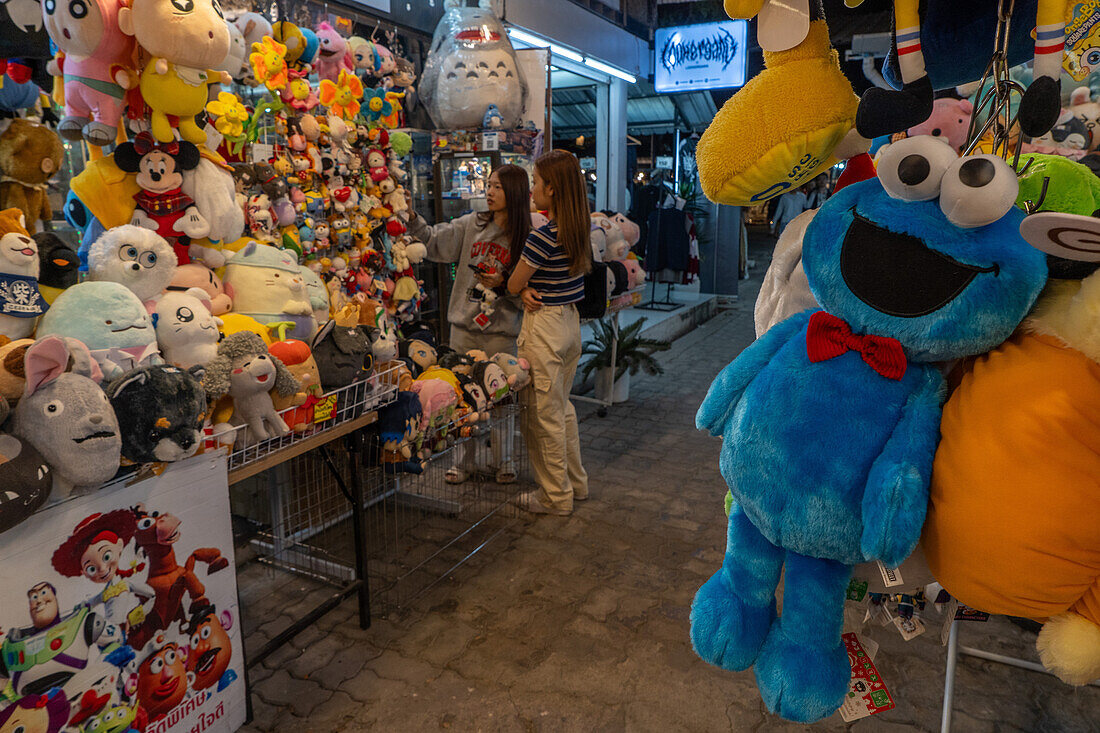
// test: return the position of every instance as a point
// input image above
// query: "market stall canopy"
(647, 112)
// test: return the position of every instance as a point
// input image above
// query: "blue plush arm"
(725, 392)
(896, 496)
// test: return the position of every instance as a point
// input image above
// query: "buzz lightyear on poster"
(123, 603)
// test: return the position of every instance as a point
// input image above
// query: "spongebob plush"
(760, 144)
(830, 420)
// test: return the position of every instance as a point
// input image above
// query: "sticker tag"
(966, 613)
(890, 576)
(490, 141)
(910, 628)
(867, 693)
(262, 152)
(325, 409)
(857, 589)
(482, 321)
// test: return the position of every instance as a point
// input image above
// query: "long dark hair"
(561, 173)
(517, 205)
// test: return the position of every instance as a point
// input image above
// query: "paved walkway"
(581, 623)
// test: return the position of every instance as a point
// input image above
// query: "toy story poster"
(118, 611)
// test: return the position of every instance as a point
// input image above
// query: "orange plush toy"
(1013, 525)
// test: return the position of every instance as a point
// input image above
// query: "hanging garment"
(667, 244)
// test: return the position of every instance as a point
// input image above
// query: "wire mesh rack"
(335, 408)
(419, 528)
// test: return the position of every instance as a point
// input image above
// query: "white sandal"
(456, 475)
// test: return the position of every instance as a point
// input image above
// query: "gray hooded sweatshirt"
(466, 242)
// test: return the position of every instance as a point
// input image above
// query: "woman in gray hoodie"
(486, 246)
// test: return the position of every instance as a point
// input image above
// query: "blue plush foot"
(799, 682)
(725, 630)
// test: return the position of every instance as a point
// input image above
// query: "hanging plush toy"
(759, 145)
(957, 40)
(333, 55)
(186, 40)
(95, 64)
(30, 154)
(830, 420)
(161, 204)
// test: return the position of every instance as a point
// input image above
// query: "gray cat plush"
(66, 417)
(245, 371)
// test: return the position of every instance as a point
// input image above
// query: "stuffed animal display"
(245, 371)
(912, 268)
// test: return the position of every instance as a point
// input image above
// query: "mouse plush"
(829, 422)
(67, 418)
(245, 371)
(21, 302)
(187, 333)
(161, 205)
(160, 412)
(110, 320)
(58, 265)
(136, 257)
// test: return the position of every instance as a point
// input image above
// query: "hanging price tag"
(867, 693)
(890, 576)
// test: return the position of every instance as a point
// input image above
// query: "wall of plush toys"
(243, 247)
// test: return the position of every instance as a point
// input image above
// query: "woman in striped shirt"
(550, 279)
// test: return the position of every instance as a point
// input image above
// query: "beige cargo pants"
(551, 340)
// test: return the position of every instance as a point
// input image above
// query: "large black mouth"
(95, 435)
(897, 274)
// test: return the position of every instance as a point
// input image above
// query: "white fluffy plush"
(186, 331)
(135, 257)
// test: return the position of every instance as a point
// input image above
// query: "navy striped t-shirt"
(552, 281)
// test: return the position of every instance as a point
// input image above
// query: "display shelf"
(338, 413)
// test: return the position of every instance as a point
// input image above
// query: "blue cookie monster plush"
(830, 421)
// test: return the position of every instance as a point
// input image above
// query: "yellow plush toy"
(186, 41)
(1012, 525)
(784, 127)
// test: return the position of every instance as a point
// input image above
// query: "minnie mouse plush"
(161, 205)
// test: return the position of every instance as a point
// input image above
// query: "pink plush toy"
(437, 400)
(96, 66)
(635, 273)
(199, 276)
(950, 120)
(631, 231)
(333, 55)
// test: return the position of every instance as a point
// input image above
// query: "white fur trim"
(1069, 646)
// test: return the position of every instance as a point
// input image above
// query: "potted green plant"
(633, 353)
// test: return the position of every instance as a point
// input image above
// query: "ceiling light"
(601, 66)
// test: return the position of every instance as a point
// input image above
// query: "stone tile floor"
(581, 623)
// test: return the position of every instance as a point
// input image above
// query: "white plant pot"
(608, 392)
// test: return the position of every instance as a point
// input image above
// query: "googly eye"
(146, 523)
(156, 665)
(148, 259)
(53, 408)
(128, 252)
(912, 169)
(978, 190)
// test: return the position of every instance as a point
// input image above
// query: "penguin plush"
(57, 263)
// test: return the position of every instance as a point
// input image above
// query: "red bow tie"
(828, 337)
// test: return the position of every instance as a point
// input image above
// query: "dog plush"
(134, 256)
(30, 154)
(160, 412)
(21, 302)
(830, 420)
(67, 418)
(245, 371)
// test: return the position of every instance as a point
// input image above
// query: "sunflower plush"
(342, 98)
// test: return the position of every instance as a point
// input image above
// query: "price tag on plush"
(783, 127)
(867, 695)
